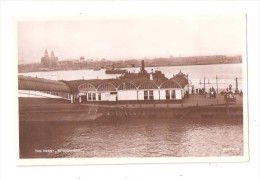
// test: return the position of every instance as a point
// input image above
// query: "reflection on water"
(132, 138)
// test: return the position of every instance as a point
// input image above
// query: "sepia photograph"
(171, 87)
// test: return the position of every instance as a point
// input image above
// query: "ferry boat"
(115, 71)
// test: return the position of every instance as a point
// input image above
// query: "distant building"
(82, 58)
(49, 61)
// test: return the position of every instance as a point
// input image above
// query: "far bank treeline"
(82, 63)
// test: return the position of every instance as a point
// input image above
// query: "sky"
(120, 38)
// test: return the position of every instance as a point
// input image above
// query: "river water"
(137, 137)
(132, 138)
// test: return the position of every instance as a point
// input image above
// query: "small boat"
(97, 69)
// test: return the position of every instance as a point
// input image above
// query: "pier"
(194, 107)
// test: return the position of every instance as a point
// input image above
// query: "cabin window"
(89, 97)
(93, 96)
(99, 96)
(167, 94)
(145, 95)
(173, 95)
(150, 95)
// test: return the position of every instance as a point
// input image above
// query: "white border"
(115, 160)
(9, 170)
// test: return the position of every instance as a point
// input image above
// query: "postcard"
(132, 89)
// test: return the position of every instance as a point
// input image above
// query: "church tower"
(53, 60)
(52, 54)
(45, 59)
(46, 54)
(49, 61)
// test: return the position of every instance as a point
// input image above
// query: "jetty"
(194, 107)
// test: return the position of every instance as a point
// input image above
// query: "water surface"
(132, 138)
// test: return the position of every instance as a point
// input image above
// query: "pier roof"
(74, 84)
(182, 80)
(131, 83)
(40, 84)
(120, 84)
(109, 85)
